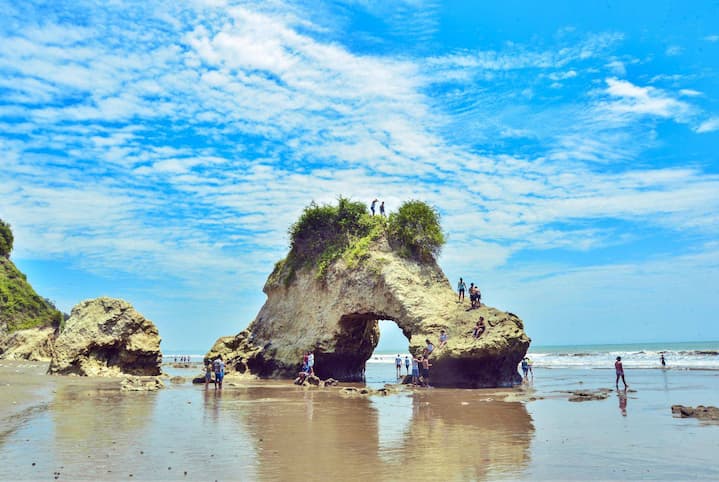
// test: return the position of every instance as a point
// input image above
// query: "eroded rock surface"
(35, 344)
(107, 337)
(336, 316)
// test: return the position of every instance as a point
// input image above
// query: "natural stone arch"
(336, 315)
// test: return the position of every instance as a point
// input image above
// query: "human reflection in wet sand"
(458, 435)
(622, 396)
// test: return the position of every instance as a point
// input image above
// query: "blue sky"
(158, 152)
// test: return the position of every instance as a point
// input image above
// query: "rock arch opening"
(353, 344)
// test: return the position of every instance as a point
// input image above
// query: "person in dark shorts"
(619, 368)
(425, 371)
(461, 287)
(406, 363)
(381, 208)
(479, 328)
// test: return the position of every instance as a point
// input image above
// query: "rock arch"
(336, 317)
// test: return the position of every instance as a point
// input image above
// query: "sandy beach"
(73, 428)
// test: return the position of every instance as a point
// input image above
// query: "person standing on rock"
(381, 208)
(406, 363)
(371, 207)
(398, 365)
(619, 368)
(219, 367)
(311, 362)
(461, 287)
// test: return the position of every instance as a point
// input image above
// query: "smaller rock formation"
(141, 384)
(107, 337)
(588, 395)
(700, 412)
(34, 344)
(237, 352)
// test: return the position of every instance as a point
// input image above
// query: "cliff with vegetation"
(27, 320)
(345, 271)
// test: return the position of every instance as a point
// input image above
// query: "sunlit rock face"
(107, 337)
(336, 316)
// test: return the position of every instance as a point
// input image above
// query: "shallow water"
(276, 431)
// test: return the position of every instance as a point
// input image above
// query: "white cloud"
(709, 125)
(690, 93)
(712, 38)
(632, 99)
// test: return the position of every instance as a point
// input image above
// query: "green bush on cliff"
(414, 230)
(6, 239)
(20, 306)
(324, 233)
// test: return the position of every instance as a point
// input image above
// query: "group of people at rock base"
(308, 367)
(420, 364)
(216, 368)
(475, 296)
(374, 204)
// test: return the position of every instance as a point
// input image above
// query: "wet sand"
(74, 428)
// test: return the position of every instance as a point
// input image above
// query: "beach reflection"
(435, 435)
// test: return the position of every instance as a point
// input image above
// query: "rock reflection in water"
(434, 435)
(454, 435)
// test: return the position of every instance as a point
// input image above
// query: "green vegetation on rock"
(20, 306)
(325, 233)
(415, 231)
(6, 239)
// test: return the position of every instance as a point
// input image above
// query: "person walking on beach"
(398, 365)
(529, 365)
(381, 208)
(219, 367)
(620, 372)
(208, 374)
(461, 287)
(525, 368)
(371, 207)
(664, 362)
(406, 363)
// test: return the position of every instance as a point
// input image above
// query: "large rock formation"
(336, 316)
(106, 336)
